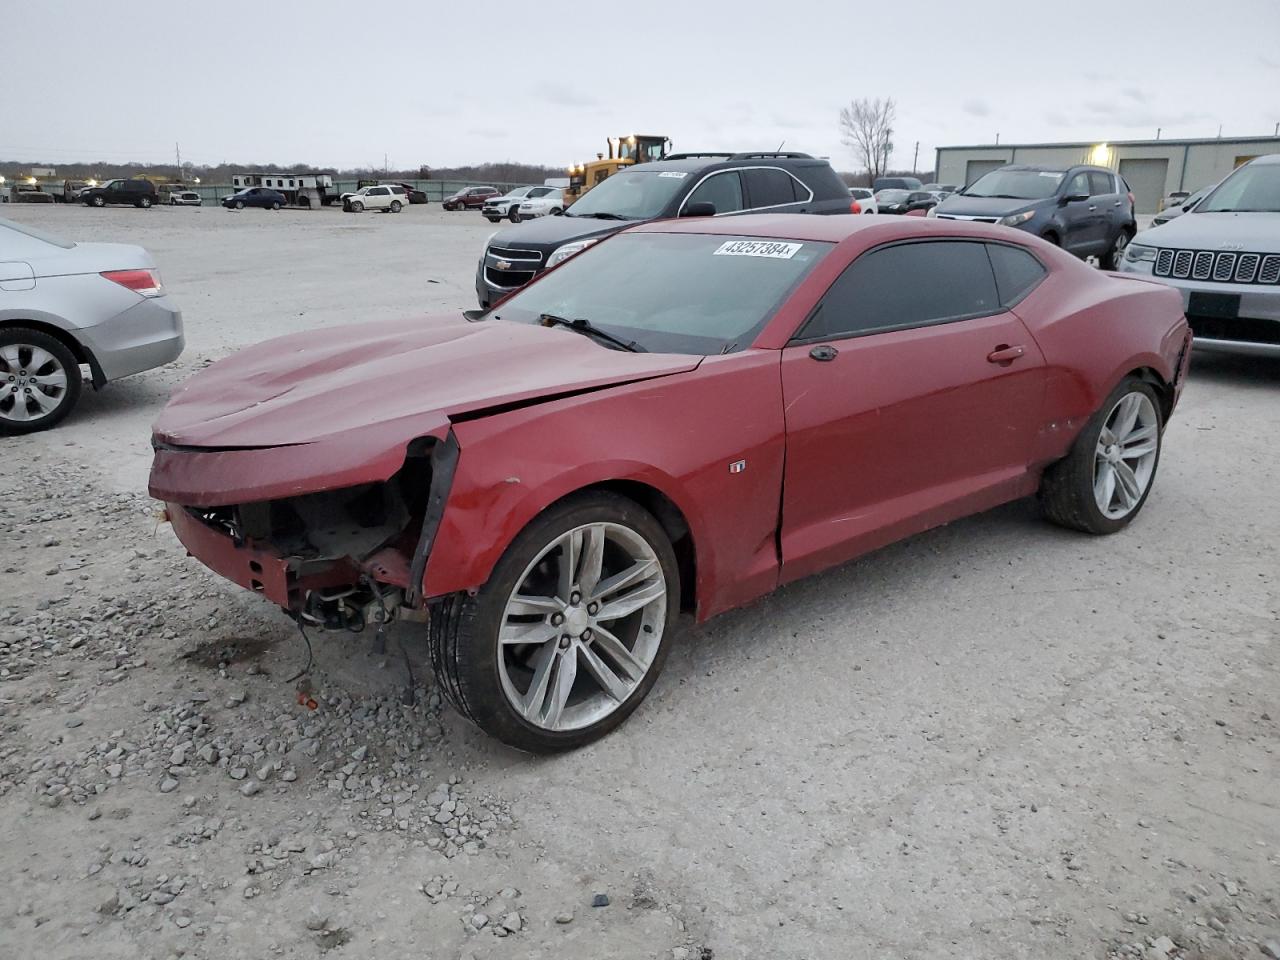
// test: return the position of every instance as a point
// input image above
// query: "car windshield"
(697, 294)
(1251, 189)
(1017, 184)
(12, 243)
(893, 195)
(519, 192)
(631, 195)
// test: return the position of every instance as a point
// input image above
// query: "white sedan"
(548, 204)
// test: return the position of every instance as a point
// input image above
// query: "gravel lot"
(998, 739)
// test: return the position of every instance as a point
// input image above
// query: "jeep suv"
(1223, 256)
(138, 193)
(681, 185)
(1085, 210)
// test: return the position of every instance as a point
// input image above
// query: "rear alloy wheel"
(39, 381)
(1100, 486)
(1111, 259)
(570, 632)
(395, 206)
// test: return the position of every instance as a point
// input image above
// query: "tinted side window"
(1100, 183)
(770, 187)
(906, 285)
(722, 189)
(1017, 272)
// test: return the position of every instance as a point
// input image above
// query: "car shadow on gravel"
(1230, 369)
(144, 393)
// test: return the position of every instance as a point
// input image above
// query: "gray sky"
(434, 83)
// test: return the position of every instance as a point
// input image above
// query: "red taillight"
(855, 207)
(143, 282)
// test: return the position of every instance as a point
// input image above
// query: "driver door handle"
(1004, 354)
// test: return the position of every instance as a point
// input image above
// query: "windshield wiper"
(604, 215)
(584, 326)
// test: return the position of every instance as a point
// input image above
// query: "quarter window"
(1017, 272)
(906, 285)
(771, 187)
(722, 189)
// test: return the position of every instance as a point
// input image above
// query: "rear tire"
(479, 673)
(57, 381)
(1111, 259)
(395, 206)
(1105, 464)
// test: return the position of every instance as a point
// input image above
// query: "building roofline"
(1113, 143)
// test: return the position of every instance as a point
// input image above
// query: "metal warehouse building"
(1153, 168)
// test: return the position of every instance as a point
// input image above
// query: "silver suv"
(1223, 256)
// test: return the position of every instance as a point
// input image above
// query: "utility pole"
(1219, 131)
(997, 138)
(384, 164)
(1158, 129)
(915, 157)
(177, 154)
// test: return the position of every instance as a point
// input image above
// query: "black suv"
(1085, 210)
(681, 185)
(138, 193)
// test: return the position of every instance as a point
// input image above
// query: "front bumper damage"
(337, 556)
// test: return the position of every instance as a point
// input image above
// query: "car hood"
(312, 386)
(984, 206)
(1251, 232)
(554, 231)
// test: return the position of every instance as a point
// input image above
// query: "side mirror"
(703, 208)
(474, 315)
(1072, 198)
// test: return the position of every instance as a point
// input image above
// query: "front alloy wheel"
(570, 632)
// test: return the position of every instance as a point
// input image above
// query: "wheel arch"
(673, 522)
(454, 564)
(1164, 390)
(78, 350)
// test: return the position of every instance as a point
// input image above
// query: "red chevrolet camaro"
(682, 417)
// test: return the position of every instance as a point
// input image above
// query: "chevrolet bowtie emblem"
(503, 264)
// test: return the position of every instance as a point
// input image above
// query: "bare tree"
(866, 128)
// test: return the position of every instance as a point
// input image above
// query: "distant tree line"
(505, 172)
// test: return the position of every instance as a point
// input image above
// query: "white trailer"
(299, 189)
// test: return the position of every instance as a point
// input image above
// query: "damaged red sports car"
(682, 417)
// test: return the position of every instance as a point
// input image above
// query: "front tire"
(239, 204)
(514, 214)
(39, 381)
(357, 206)
(145, 203)
(569, 634)
(99, 202)
(275, 204)
(1100, 486)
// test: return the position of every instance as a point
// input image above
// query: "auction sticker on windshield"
(758, 248)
